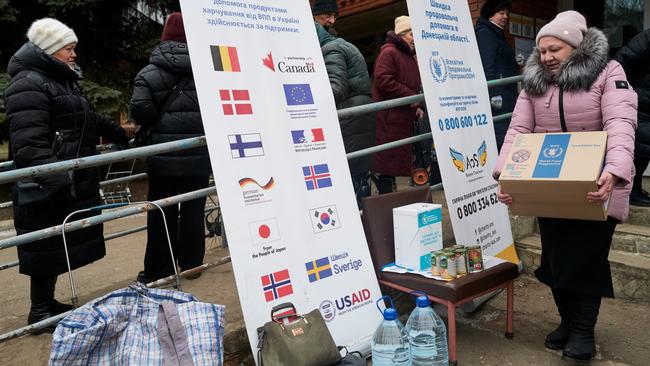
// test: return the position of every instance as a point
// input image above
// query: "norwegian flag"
(277, 285)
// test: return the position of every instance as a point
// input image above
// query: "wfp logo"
(438, 67)
(344, 304)
(463, 163)
(553, 152)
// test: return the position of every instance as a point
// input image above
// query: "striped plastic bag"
(141, 326)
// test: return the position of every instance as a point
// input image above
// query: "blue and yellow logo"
(462, 163)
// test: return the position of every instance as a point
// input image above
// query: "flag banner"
(235, 102)
(225, 58)
(458, 105)
(279, 164)
(246, 145)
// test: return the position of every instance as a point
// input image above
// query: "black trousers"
(574, 255)
(41, 289)
(640, 165)
(186, 228)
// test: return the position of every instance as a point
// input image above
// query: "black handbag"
(296, 340)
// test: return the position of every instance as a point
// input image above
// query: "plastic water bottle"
(427, 335)
(390, 346)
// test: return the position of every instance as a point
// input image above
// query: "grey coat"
(350, 84)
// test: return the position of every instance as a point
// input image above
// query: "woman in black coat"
(164, 101)
(498, 60)
(634, 58)
(50, 120)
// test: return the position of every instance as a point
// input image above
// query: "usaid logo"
(328, 310)
(345, 304)
(438, 67)
(553, 152)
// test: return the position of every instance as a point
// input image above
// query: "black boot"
(43, 304)
(557, 339)
(60, 308)
(583, 310)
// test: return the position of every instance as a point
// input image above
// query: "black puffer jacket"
(50, 120)
(634, 58)
(164, 98)
(498, 61)
(350, 82)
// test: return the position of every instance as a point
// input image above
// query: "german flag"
(224, 58)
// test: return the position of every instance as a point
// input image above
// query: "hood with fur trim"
(578, 72)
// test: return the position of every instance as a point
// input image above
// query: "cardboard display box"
(550, 174)
(418, 232)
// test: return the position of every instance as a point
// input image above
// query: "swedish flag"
(318, 269)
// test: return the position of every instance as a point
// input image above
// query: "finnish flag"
(246, 145)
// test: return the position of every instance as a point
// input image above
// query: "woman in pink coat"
(569, 85)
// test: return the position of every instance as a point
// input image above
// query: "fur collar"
(578, 72)
(399, 43)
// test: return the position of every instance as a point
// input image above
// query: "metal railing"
(140, 152)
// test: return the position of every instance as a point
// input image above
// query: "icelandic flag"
(313, 135)
(317, 176)
(246, 145)
(318, 269)
(277, 285)
(298, 94)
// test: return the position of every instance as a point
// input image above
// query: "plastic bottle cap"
(422, 301)
(390, 314)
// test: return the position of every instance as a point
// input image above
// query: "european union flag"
(317, 176)
(298, 94)
(318, 269)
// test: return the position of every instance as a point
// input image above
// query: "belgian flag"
(224, 58)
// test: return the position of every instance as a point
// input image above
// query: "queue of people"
(568, 77)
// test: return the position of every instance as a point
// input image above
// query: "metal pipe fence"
(102, 159)
(108, 237)
(140, 152)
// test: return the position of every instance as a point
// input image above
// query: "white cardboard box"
(418, 232)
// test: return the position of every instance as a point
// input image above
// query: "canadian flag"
(264, 231)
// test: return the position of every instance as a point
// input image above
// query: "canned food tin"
(461, 261)
(475, 259)
(448, 265)
(435, 262)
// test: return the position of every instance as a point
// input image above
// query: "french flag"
(313, 135)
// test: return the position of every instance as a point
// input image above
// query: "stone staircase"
(629, 255)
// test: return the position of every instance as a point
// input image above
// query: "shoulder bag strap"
(562, 120)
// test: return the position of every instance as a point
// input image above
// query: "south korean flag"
(324, 218)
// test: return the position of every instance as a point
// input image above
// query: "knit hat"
(569, 26)
(402, 24)
(174, 30)
(491, 7)
(325, 7)
(50, 35)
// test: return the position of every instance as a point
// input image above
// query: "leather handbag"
(297, 340)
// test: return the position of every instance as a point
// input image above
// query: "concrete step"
(638, 215)
(632, 238)
(630, 271)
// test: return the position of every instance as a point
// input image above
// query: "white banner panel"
(279, 165)
(457, 101)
